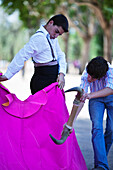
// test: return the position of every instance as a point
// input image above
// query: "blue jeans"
(101, 141)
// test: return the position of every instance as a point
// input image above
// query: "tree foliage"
(103, 11)
(12, 37)
(31, 12)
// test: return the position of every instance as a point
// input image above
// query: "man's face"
(54, 30)
(91, 79)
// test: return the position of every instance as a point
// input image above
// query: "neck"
(45, 26)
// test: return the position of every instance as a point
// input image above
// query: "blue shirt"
(106, 81)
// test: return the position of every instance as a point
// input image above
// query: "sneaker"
(98, 168)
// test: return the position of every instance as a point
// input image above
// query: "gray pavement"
(83, 133)
(20, 86)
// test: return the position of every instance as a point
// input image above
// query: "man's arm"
(101, 93)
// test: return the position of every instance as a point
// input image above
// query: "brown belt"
(51, 63)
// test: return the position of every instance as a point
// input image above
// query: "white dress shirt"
(39, 49)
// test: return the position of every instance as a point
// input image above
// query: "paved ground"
(83, 134)
(20, 86)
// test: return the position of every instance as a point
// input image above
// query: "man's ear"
(51, 22)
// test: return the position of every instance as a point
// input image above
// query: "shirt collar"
(43, 30)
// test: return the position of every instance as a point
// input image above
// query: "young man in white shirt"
(49, 60)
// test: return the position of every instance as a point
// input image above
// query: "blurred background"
(90, 35)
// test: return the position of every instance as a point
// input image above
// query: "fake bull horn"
(78, 89)
(66, 130)
(64, 136)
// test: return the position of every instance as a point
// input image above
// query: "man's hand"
(61, 81)
(101, 93)
(84, 97)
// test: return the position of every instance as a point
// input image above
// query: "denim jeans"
(101, 140)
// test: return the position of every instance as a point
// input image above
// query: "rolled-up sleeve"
(84, 82)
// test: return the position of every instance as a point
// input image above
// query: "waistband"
(51, 63)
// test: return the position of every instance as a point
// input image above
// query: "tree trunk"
(85, 53)
(108, 44)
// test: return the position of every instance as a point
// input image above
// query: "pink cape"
(25, 126)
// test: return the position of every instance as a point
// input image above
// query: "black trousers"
(43, 77)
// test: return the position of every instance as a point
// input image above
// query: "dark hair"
(60, 20)
(97, 67)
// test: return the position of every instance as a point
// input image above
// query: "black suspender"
(50, 46)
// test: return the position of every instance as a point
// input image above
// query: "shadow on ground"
(83, 133)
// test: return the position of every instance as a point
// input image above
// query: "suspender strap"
(50, 46)
(51, 49)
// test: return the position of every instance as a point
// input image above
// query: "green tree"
(103, 10)
(99, 41)
(84, 22)
(13, 37)
(31, 12)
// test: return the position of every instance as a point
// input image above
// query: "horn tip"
(58, 142)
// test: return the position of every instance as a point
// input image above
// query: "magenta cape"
(24, 132)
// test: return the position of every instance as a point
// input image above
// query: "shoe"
(98, 168)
